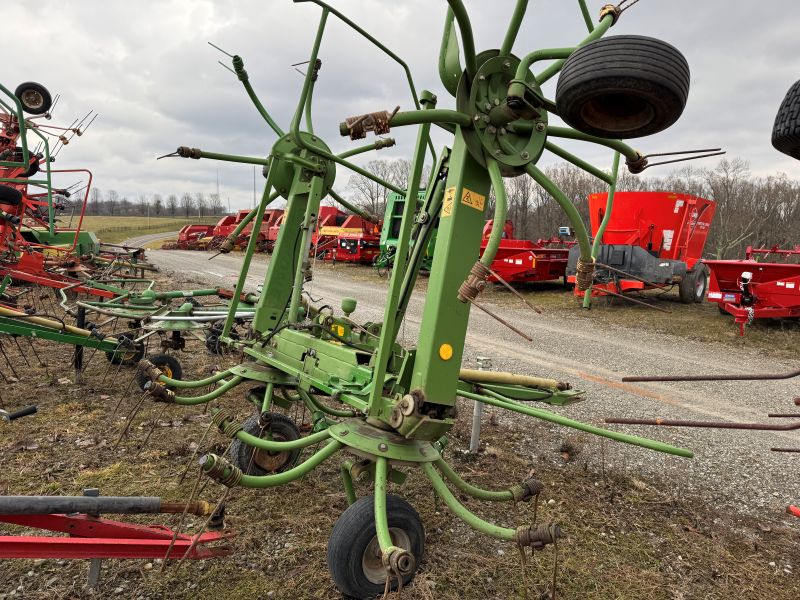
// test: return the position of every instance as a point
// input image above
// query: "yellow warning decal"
(468, 197)
(447, 207)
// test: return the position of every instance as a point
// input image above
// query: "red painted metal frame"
(94, 537)
(773, 291)
(524, 261)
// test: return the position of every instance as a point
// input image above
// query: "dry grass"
(629, 537)
(117, 229)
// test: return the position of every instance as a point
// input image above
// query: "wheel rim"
(619, 113)
(32, 99)
(699, 286)
(372, 559)
(272, 461)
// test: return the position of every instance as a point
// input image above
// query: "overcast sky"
(146, 68)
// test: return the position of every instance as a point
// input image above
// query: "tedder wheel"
(354, 555)
(34, 97)
(253, 461)
(623, 86)
(786, 131)
(10, 196)
(126, 355)
(168, 365)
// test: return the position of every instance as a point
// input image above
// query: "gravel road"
(733, 469)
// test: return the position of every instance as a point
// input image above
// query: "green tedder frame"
(388, 405)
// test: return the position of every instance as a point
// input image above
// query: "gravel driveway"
(733, 469)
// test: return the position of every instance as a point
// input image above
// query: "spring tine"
(21, 353)
(10, 366)
(501, 320)
(149, 433)
(535, 309)
(196, 450)
(227, 67)
(228, 54)
(130, 418)
(192, 495)
(91, 356)
(677, 160)
(203, 527)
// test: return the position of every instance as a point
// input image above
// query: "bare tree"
(172, 205)
(187, 203)
(112, 198)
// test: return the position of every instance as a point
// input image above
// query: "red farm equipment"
(358, 242)
(524, 261)
(749, 289)
(329, 226)
(265, 243)
(652, 240)
(188, 237)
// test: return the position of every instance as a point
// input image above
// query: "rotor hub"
(484, 101)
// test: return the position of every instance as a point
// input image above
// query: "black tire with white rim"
(354, 554)
(34, 97)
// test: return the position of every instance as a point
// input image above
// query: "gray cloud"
(146, 68)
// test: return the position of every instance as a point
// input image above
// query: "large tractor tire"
(623, 86)
(786, 131)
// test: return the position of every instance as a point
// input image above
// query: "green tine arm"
(513, 27)
(467, 40)
(450, 68)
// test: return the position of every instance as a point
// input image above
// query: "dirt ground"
(630, 535)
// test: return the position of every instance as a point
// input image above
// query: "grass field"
(116, 229)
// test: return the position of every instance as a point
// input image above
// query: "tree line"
(110, 203)
(751, 210)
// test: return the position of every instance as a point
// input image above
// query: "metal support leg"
(96, 563)
(484, 364)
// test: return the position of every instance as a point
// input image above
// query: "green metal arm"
(467, 39)
(596, 33)
(566, 205)
(598, 238)
(195, 400)
(574, 134)
(580, 163)
(468, 488)
(500, 212)
(513, 27)
(209, 461)
(494, 399)
(460, 511)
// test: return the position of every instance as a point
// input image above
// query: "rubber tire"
(33, 167)
(687, 288)
(10, 196)
(702, 272)
(161, 360)
(354, 530)
(786, 130)
(642, 79)
(47, 100)
(282, 428)
(119, 358)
